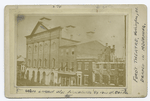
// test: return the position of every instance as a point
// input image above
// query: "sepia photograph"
(77, 51)
(71, 50)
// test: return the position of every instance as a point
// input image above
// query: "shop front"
(67, 79)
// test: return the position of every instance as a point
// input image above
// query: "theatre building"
(42, 54)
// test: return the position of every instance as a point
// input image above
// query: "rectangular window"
(35, 63)
(97, 66)
(72, 51)
(120, 80)
(113, 66)
(86, 65)
(120, 66)
(63, 81)
(66, 66)
(40, 62)
(45, 62)
(112, 79)
(61, 66)
(86, 79)
(79, 65)
(105, 66)
(97, 78)
(72, 66)
(105, 79)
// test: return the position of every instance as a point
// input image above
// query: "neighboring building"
(84, 70)
(109, 74)
(21, 68)
(75, 68)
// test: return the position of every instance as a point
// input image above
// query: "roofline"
(67, 46)
(43, 31)
(75, 44)
(70, 40)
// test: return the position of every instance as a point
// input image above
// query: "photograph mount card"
(75, 51)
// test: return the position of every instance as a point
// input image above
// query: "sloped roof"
(20, 58)
(75, 44)
(45, 27)
(70, 26)
(70, 39)
(45, 18)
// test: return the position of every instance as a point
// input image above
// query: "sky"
(107, 29)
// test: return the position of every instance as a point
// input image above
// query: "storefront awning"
(67, 73)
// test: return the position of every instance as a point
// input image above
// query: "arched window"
(72, 51)
(40, 47)
(29, 49)
(45, 62)
(54, 45)
(40, 62)
(53, 63)
(46, 48)
(38, 76)
(34, 62)
(35, 48)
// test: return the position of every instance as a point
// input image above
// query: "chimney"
(70, 29)
(89, 34)
(113, 46)
(106, 44)
(45, 21)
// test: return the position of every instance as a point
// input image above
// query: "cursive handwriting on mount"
(136, 21)
(71, 92)
(135, 77)
(142, 73)
(136, 50)
(143, 37)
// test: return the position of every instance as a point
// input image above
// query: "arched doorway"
(33, 76)
(43, 79)
(27, 75)
(52, 79)
(38, 76)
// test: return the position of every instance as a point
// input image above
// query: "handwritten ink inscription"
(142, 73)
(135, 77)
(56, 6)
(71, 92)
(136, 21)
(136, 50)
(143, 37)
(138, 71)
